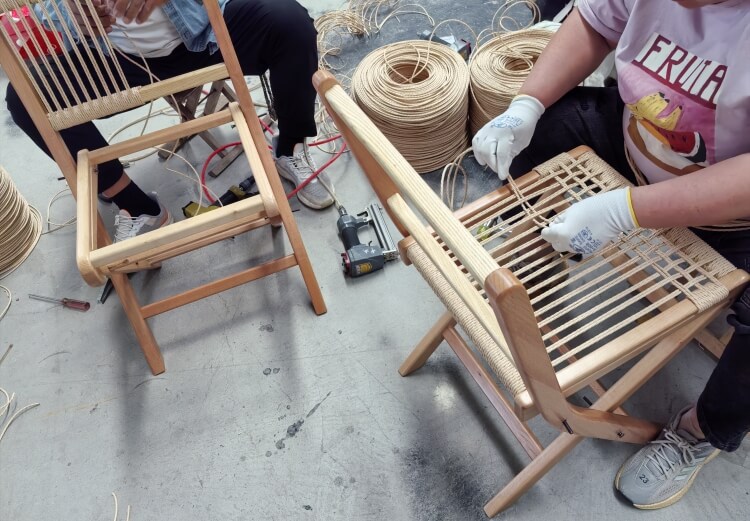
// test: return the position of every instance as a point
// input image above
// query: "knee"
(291, 22)
(741, 319)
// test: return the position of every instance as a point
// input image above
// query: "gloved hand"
(500, 140)
(589, 225)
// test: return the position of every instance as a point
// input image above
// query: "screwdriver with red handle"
(78, 305)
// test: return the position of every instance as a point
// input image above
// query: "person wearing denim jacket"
(277, 36)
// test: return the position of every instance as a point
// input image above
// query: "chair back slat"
(81, 82)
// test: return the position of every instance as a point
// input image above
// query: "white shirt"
(154, 38)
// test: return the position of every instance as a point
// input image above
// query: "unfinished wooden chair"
(542, 326)
(54, 108)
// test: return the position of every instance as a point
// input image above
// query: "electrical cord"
(212, 197)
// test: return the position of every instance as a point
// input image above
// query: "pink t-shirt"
(684, 75)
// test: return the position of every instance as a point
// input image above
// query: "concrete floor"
(267, 412)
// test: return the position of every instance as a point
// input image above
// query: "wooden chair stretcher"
(538, 324)
(186, 104)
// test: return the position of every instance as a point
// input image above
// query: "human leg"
(111, 177)
(284, 43)
(662, 472)
(723, 408)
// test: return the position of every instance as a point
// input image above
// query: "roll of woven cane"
(498, 69)
(416, 93)
(20, 226)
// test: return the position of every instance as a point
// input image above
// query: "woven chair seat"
(579, 306)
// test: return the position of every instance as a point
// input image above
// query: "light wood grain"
(162, 237)
(429, 343)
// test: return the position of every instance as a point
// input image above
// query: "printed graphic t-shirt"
(684, 75)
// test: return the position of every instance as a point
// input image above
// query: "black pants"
(593, 116)
(273, 35)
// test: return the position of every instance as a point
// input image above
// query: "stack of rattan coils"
(498, 69)
(416, 93)
(20, 226)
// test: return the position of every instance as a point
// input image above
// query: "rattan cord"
(358, 18)
(67, 107)
(20, 226)
(503, 367)
(416, 93)
(498, 69)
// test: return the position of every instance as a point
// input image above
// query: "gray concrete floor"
(267, 411)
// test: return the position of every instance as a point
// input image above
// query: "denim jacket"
(188, 16)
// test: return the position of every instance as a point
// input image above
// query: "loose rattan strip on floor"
(580, 306)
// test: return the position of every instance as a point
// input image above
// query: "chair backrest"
(395, 181)
(95, 86)
(52, 102)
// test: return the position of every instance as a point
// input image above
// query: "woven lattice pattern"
(580, 305)
(96, 85)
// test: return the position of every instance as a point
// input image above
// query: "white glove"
(590, 224)
(500, 140)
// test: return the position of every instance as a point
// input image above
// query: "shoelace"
(302, 166)
(669, 447)
(126, 227)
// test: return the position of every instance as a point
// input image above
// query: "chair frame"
(511, 322)
(98, 258)
(186, 105)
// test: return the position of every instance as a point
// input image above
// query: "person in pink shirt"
(680, 111)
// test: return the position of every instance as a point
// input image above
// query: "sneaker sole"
(302, 199)
(674, 498)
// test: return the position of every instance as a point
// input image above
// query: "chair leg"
(142, 330)
(303, 261)
(637, 375)
(226, 160)
(532, 473)
(434, 337)
(712, 343)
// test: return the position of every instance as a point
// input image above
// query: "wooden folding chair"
(54, 108)
(541, 325)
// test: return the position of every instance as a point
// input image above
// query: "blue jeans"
(592, 116)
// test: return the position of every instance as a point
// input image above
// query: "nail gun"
(360, 259)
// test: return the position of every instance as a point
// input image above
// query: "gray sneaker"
(661, 472)
(127, 226)
(296, 169)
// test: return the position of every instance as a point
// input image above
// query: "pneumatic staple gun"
(360, 259)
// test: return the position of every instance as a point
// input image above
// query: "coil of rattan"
(416, 93)
(498, 69)
(20, 226)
